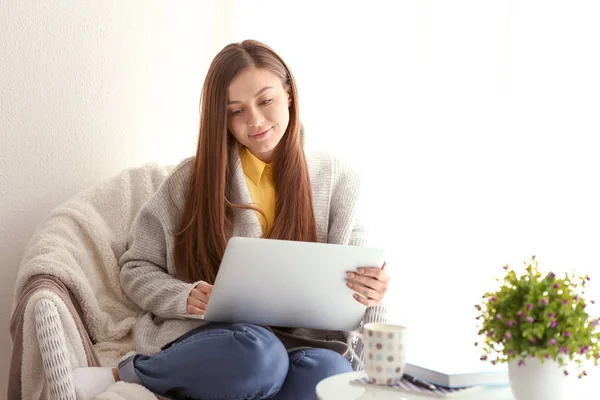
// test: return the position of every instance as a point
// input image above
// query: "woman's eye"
(236, 112)
(268, 101)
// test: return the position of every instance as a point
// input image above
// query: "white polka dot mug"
(384, 351)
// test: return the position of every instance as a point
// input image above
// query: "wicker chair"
(69, 310)
(68, 301)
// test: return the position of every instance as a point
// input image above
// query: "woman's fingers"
(366, 302)
(370, 285)
(195, 306)
(198, 298)
(377, 285)
(204, 287)
(375, 272)
(195, 310)
(365, 291)
(200, 295)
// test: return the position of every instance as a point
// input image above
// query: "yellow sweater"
(259, 178)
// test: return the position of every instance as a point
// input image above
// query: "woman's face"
(258, 111)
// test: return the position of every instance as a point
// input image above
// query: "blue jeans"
(233, 362)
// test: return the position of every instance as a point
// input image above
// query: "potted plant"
(538, 324)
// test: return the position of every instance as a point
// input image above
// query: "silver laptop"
(289, 284)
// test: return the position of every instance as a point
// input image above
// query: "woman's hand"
(371, 283)
(198, 298)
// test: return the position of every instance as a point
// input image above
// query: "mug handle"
(351, 339)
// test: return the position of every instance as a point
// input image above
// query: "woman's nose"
(255, 118)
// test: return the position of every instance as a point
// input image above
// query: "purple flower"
(582, 350)
(505, 267)
(499, 317)
(521, 314)
(511, 352)
(490, 334)
(493, 299)
(547, 356)
(552, 275)
(551, 315)
(552, 342)
(566, 373)
(494, 362)
(521, 363)
(556, 286)
(529, 319)
(595, 322)
(529, 306)
(564, 350)
(534, 340)
(567, 333)
(588, 278)
(544, 301)
(553, 324)
(592, 301)
(508, 335)
(509, 323)
(565, 302)
(576, 298)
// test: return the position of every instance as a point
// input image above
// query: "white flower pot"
(536, 381)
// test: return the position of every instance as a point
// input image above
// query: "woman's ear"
(289, 99)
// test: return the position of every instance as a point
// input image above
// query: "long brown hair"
(207, 219)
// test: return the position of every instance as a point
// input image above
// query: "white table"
(338, 387)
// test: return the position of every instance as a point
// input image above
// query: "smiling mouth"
(261, 134)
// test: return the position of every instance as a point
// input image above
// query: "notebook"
(453, 372)
(405, 386)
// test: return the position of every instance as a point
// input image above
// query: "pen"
(418, 382)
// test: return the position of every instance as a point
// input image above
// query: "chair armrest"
(54, 352)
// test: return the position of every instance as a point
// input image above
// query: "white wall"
(86, 90)
(476, 125)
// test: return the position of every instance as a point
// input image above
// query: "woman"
(250, 177)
